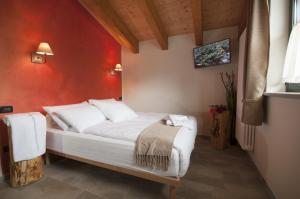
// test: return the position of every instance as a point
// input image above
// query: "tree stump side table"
(24, 172)
(219, 130)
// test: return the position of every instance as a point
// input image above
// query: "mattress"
(114, 144)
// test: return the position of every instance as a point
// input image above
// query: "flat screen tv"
(212, 54)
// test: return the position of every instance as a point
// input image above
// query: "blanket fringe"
(154, 146)
(153, 161)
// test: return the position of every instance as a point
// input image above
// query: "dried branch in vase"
(228, 83)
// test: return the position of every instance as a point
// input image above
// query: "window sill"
(283, 94)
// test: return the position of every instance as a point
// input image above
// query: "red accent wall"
(84, 53)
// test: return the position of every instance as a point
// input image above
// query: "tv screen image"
(212, 54)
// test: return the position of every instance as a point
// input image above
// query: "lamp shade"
(118, 67)
(44, 49)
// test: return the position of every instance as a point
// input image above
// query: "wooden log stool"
(219, 125)
(219, 139)
(24, 172)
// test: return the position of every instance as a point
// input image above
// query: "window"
(295, 11)
(291, 70)
(280, 24)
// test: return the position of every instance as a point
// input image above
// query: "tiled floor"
(212, 174)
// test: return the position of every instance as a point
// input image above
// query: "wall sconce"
(118, 68)
(39, 56)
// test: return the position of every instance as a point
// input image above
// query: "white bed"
(114, 143)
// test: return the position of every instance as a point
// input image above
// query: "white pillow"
(81, 118)
(51, 109)
(115, 111)
(92, 101)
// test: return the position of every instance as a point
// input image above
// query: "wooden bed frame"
(172, 182)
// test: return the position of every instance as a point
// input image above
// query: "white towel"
(169, 122)
(28, 133)
(179, 121)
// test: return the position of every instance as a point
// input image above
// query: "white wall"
(277, 141)
(239, 127)
(166, 81)
(277, 147)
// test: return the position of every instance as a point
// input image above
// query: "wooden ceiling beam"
(152, 17)
(197, 21)
(103, 12)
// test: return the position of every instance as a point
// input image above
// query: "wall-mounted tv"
(212, 54)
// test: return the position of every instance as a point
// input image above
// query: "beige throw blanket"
(154, 146)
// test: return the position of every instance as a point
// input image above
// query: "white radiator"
(249, 138)
(245, 134)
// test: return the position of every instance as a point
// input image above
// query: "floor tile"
(212, 174)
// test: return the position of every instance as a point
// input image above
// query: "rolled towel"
(169, 122)
(174, 117)
(180, 120)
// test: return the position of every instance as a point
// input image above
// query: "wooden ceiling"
(131, 21)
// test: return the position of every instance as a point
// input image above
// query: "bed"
(111, 145)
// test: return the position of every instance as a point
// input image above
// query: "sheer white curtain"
(297, 10)
(291, 71)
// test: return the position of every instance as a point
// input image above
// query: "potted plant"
(228, 83)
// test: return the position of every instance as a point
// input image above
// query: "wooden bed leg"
(47, 158)
(172, 193)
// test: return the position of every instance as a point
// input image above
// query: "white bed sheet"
(114, 143)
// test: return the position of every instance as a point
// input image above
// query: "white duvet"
(130, 130)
